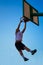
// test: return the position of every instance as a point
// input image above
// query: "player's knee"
(20, 51)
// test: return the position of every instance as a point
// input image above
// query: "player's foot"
(26, 59)
(33, 51)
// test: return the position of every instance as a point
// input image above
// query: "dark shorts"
(19, 45)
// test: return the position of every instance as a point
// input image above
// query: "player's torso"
(19, 36)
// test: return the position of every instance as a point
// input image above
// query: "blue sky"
(10, 13)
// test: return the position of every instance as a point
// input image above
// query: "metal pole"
(37, 14)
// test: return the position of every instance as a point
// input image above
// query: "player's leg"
(19, 47)
(29, 50)
(21, 53)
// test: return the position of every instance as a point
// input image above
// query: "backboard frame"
(31, 13)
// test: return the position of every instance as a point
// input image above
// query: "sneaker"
(26, 59)
(33, 51)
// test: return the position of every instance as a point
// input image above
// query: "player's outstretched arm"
(24, 28)
(17, 29)
(19, 25)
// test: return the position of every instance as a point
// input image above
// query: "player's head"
(17, 30)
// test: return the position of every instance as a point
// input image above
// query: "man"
(19, 45)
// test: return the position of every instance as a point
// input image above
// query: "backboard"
(28, 12)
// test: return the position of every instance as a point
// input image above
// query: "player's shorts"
(19, 45)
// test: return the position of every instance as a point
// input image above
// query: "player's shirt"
(19, 36)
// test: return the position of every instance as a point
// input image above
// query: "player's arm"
(24, 28)
(17, 29)
(19, 25)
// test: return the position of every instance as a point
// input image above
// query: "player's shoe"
(33, 51)
(26, 59)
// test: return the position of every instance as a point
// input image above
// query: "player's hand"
(21, 19)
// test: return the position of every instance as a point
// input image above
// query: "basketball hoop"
(25, 19)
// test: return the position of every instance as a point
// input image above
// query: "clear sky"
(10, 13)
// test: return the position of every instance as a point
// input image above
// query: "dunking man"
(19, 45)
